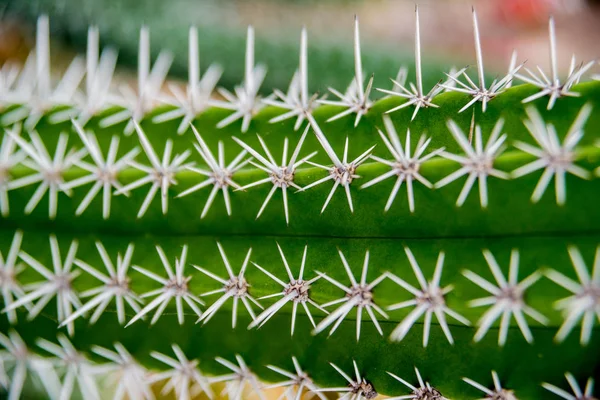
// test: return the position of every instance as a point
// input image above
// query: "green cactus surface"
(461, 244)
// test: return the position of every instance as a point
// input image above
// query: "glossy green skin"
(507, 198)
(540, 231)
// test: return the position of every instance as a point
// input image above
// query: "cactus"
(167, 248)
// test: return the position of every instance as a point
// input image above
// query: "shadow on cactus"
(426, 245)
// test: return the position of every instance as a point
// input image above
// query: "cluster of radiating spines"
(506, 296)
(31, 87)
(67, 372)
(63, 371)
(102, 171)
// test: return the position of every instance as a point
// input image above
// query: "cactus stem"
(42, 167)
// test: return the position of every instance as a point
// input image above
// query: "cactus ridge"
(137, 184)
(508, 297)
(186, 380)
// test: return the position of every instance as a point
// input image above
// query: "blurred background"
(387, 34)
